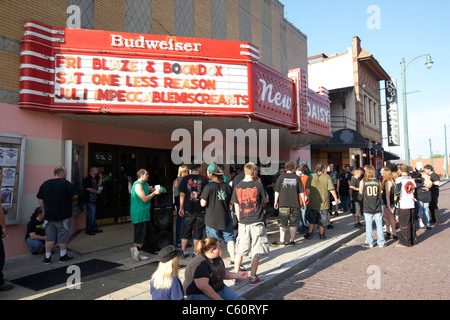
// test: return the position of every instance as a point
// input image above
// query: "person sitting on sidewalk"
(35, 237)
(165, 284)
(204, 275)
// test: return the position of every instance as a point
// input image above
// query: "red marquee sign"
(92, 71)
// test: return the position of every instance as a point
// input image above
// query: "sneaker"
(289, 244)
(47, 260)
(253, 281)
(135, 254)
(277, 244)
(64, 258)
(367, 245)
(6, 287)
(308, 235)
(184, 255)
(142, 257)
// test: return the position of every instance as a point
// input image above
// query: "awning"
(390, 156)
(346, 139)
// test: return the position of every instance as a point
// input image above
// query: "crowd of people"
(235, 212)
(302, 199)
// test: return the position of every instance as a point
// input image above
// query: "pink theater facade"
(122, 101)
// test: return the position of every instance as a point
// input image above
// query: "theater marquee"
(92, 71)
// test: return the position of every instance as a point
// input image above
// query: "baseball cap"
(214, 169)
(168, 253)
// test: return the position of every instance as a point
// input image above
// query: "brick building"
(40, 131)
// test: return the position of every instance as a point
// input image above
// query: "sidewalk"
(130, 281)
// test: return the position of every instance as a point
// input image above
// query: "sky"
(391, 30)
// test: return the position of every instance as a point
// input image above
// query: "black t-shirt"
(250, 195)
(57, 195)
(355, 183)
(218, 196)
(289, 186)
(192, 186)
(344, 187)
(201, 267)
(35, 226)
(423, 193)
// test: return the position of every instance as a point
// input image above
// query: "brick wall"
(110, 16)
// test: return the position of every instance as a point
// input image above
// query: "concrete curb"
(278, 275)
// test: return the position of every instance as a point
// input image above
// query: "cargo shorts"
(252, 240)
(288, 217)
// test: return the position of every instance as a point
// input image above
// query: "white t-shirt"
(407, 192)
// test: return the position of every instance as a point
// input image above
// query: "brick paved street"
(389, 273)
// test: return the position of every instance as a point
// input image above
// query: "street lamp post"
(446, 152)
(428, 64)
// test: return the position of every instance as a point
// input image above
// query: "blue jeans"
(345, 203)
(378, 217)
(424, 212)
(304, 224)
(225, 294)
(227, 234)
(35, 245)
(91, 221)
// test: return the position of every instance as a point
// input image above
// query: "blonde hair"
(162, 277)
(369, 172)
(182, 171)
(356, 172)
(426, 180)
(250, 168)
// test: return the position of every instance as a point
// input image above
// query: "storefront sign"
(392, 113)
(92, 71)
(94, 80)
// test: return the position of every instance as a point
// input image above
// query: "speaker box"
(161, 220)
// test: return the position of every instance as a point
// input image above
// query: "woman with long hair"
(388, 203)
(370, 189)
(165, 284)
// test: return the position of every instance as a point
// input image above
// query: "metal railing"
(342, 122)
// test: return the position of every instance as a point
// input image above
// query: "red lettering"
(61, 78)
(149, 67)
(125, 65)
(167, 68)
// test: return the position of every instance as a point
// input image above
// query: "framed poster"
(74, 163)
(12, 159)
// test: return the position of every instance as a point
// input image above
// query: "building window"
(371, 112)
(184, 18)
(218, 19)
(80, 14)
(138, 16)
